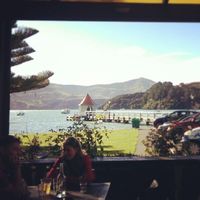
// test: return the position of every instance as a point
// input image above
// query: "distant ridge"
(56, 96)
(162, 95)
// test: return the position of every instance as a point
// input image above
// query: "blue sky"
(87, 53)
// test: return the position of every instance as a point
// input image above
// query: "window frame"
(75, 11)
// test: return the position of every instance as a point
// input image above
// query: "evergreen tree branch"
(19, 44)
(19, 55)
(21, 33)
(20, 83)
(20, 59)
(21, 51)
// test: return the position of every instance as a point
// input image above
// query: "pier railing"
(125, 115)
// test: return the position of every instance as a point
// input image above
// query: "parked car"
(189, 122)
(191, 141)
(181, 125)
(176, 115)
(192, 135)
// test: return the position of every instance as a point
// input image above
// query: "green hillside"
(160, 96)
(57, 96)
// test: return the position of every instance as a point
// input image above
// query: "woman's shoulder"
(86, 158)
(57, 162)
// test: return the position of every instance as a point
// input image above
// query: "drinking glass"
(45, 186)
(83, 186)
(40, 189)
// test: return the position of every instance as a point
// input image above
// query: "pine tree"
(20, 51)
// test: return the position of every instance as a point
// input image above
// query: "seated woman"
(12, 185)
(77, 165)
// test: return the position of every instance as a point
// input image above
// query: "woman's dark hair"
(74, 143)
(8, 140)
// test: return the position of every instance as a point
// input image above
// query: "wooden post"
(5, 34)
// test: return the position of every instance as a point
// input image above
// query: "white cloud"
(78, 59)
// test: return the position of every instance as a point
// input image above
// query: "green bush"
(30, 146)
(168, 142)
(161, 142)
(91, 138)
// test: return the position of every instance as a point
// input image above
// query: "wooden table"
(95, 191)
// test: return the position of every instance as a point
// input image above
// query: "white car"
(192, 135)
(165, 127)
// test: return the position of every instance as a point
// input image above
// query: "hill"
(57, 96)
(160, 96)
(127, 101)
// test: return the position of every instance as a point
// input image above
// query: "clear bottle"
(60, 181)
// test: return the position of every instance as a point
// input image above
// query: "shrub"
(164, 142)
(168, 142)
(91, 138)
(30, 146)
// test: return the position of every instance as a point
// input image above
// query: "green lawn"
(118, 141)
(122, 141)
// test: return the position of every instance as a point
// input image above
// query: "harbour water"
(42, 121)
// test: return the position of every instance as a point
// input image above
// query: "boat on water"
(65, 111)
(20, 114)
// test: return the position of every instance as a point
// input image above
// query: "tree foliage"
(164, 143)
(168, 142)
(162, 95)
(20, 51)
(91, 139)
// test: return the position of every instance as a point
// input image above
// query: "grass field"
(122, 141)
(118, 141)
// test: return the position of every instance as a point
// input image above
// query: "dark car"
(189, 122)
(176, 115)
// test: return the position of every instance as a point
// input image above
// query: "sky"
(88, 53)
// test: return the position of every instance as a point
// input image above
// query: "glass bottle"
(60, 181)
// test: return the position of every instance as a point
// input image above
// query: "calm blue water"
(37, 121)
(40, 121)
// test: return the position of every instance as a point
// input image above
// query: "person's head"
(10, 149)
(71, 148)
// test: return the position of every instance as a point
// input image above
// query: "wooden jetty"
(123, 116)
